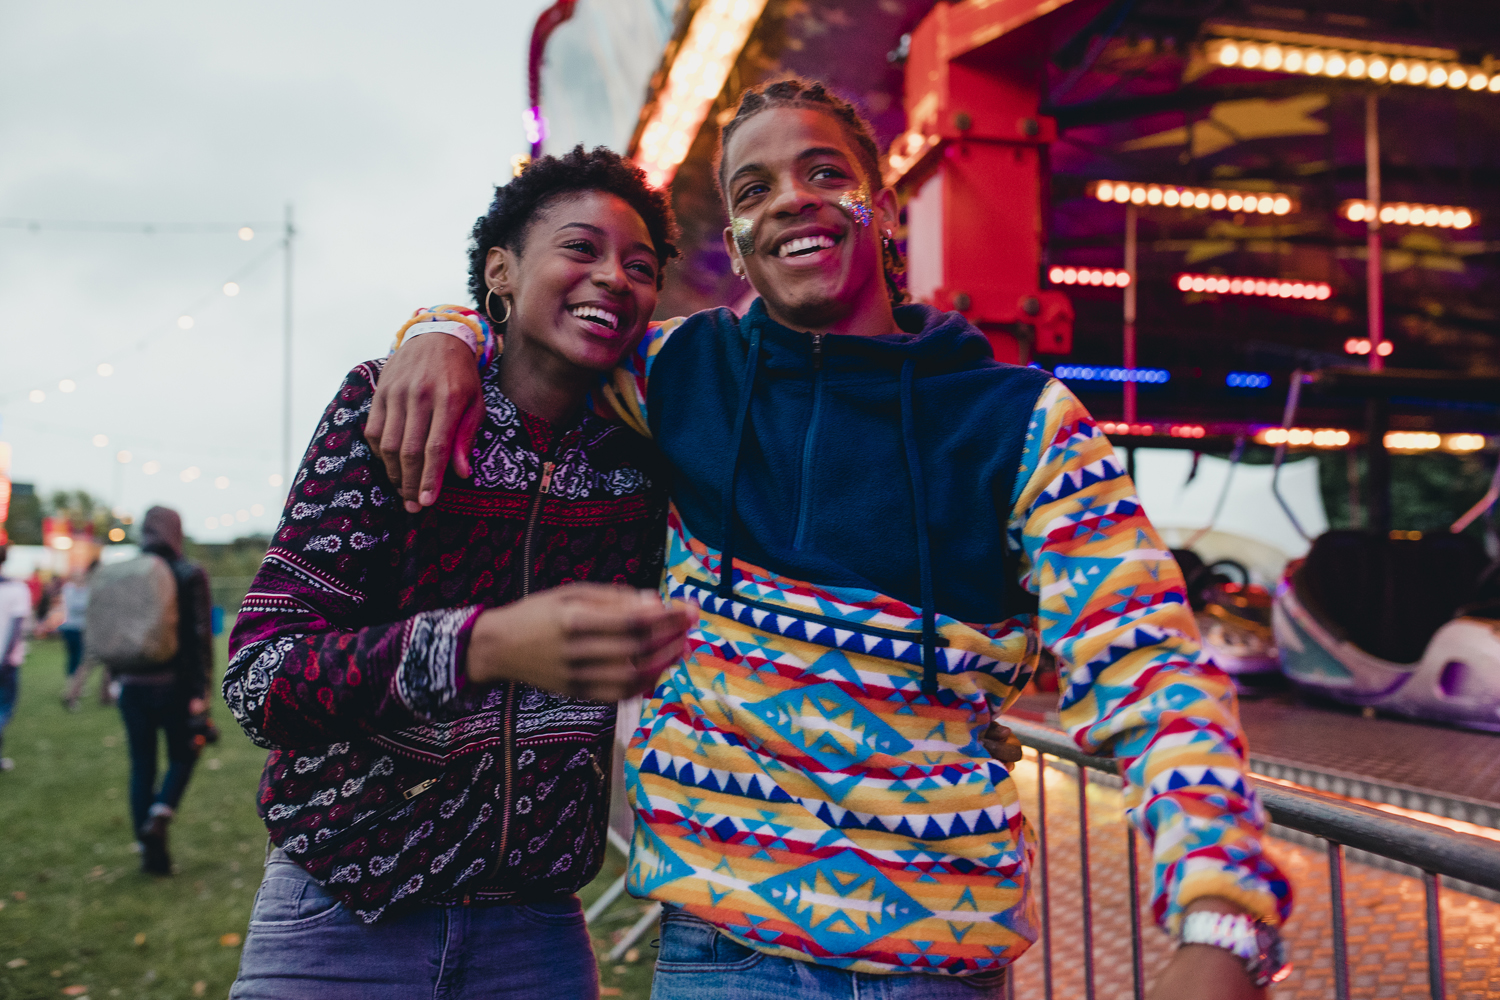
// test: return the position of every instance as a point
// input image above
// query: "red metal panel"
(973, 81)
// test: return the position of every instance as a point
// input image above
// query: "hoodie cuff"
(431, 673)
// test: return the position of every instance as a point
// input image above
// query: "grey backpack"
(131, 624)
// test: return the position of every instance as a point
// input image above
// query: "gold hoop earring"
(490, 313)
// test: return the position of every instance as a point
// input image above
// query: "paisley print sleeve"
(318, 653)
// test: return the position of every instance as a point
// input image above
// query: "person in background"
(75, 603)
(167, 699)
(15, 620)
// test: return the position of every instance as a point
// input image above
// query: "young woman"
(435, 687)
(881, 522)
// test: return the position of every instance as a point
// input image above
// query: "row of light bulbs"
(1405, 214)
(1337, 63)
(105, 369)
(1174, 196)
(190, 474)
(712, 44)
(1327, 437)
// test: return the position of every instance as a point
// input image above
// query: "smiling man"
(881, 524)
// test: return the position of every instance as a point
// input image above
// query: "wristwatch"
(1258, 944)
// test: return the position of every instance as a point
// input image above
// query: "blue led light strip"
(1090, 373)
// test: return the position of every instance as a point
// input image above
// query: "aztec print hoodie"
(904, 517)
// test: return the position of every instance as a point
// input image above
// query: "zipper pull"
(546, 477)
(817, 351)
(418, 789)
(597, 769)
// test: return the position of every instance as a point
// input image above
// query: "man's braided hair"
(517, 203)
(798, 93)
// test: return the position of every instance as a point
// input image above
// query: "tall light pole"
(1129, 386)
(1374, 274)
(286, 354)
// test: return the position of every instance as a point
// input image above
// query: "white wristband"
(453, 329)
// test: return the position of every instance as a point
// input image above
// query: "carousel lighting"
(1110, 427)
(1402, 213)
(1361, 346)
(1093, 373)
(1247, 380)
(1463, 443)
(1302, 437)
(1109, 277)
(1411, 441)
(1268, 287)
(1176, 196)
(714, 40)
(1273, 57)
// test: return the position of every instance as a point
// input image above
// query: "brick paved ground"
(1387, 938)
(1387, 751)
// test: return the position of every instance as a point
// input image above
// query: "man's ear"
(500, 271)
(736, 262)
(888, 211)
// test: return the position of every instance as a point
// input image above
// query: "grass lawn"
(77, 918)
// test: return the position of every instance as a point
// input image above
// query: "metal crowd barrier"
(1437, 852)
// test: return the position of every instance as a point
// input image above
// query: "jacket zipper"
(804, 500)
(339, 839)
(829, 620)
(544, 484)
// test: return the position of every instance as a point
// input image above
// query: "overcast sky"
(385, 126)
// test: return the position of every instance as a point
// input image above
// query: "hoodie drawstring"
(725, 589)
(924, 546)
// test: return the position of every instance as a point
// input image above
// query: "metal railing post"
(1434, 937)
(1083, 870)
(1041, 798)
(1137, 963)
(1340, 928)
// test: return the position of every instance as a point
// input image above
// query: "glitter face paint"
(857, 204)
(744, 239)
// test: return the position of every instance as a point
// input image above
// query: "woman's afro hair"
(516, 204)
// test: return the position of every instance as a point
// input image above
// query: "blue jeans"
(696, 962)
(145, 709)
(73, 639)
(10, 687)
(305, 945)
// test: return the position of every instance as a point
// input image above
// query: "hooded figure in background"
(172, 699)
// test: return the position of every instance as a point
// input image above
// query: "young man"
(880, 522)
(166, 699)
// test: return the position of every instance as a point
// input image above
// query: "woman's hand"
(427, 408)
(585, 640)
(1002, 744)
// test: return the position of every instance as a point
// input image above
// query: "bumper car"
(1410, 628)
(1234, 619)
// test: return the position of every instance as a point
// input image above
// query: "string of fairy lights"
(110, 365)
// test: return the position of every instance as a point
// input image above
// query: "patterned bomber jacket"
(390, 777)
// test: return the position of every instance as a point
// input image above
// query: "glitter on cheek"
(857, 204)
(744, 238)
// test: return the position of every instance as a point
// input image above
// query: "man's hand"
(585, 640)
(1002, 744)
(1203, 972)
(427, 408)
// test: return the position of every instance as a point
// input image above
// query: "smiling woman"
(438, 706)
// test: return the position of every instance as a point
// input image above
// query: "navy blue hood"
(875, 463)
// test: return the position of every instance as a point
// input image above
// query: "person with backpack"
(15, 619)
(150, 621)
(883, 524)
